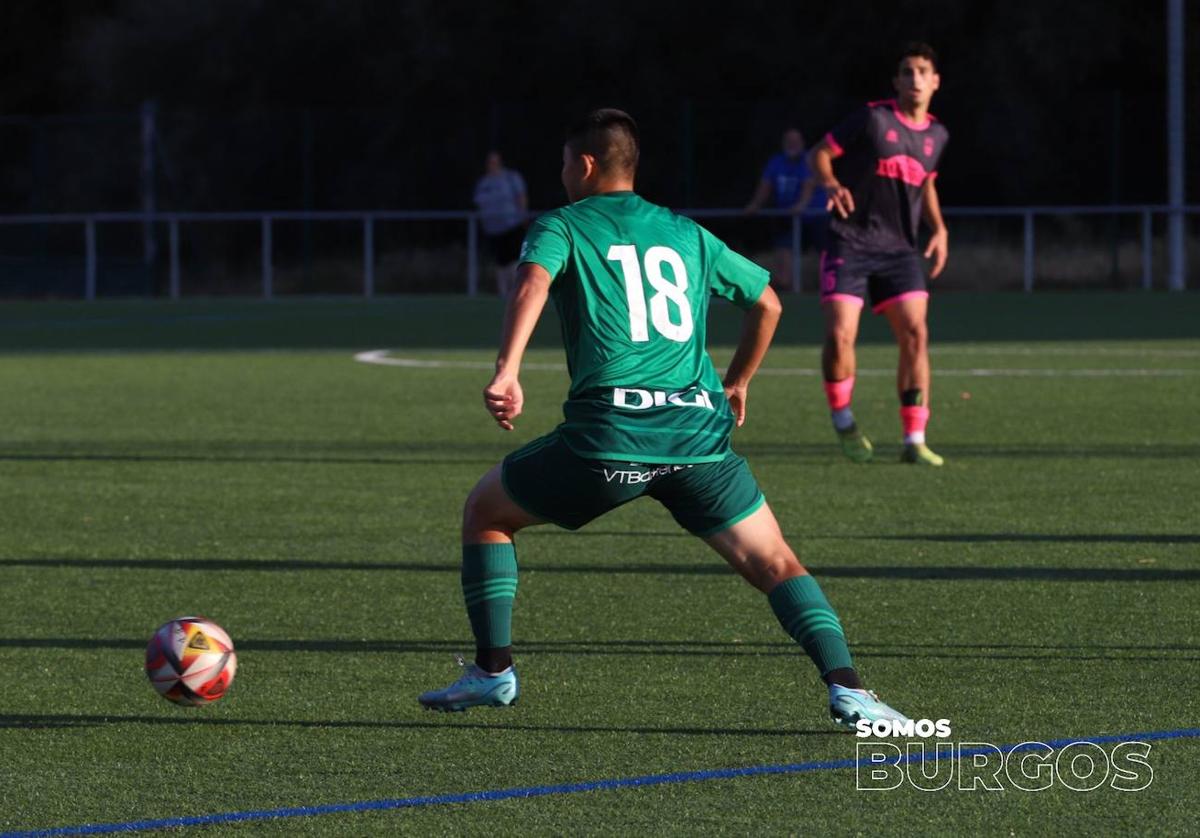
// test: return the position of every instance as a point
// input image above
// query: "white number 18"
(666, 291)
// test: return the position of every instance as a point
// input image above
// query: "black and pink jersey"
(884, 158)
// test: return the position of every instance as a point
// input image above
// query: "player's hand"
(504, 399)
(938, 250)
(736, 394)
(841, 200)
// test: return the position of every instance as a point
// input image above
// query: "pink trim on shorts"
(837, 150)
(907, 295)
(845, 298)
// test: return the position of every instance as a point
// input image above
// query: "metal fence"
(266, 222)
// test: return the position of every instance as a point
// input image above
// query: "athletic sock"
(494, 661)
(845, 677)
(807, 616)
(839, 394)
(843, 419)
(914, 416)
(489, 584)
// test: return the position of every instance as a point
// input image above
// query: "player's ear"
(589, 165)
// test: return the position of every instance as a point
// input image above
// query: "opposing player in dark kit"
(878, 168)
(646, 414)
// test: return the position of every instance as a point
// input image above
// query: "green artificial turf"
(156, 462)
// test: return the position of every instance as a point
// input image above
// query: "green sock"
(489, 584)
(808, 617)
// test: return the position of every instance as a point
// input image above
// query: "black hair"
(918, 49)
(610, 136)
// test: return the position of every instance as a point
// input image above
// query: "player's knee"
(478, 514)
(840, 339)
(914, 337)
(777, 566)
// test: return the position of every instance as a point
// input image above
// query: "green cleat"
(855, 445)
(920, 454)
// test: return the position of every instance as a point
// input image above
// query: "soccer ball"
(191, 661)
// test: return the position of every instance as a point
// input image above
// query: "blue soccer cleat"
(847, 706)
(475, 688)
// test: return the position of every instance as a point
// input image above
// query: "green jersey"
(631, 283)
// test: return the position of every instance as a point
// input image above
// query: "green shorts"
(547, 479)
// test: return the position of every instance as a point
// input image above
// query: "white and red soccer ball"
(191, 661)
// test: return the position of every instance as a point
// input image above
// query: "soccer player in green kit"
(647, 413)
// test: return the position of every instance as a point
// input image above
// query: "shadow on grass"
(653, 648)
(953, 538)
(955, 454)
(945, 573)
(315, 452)
(251, 460)
(1055, 538)
(440, 452)
(58, 721)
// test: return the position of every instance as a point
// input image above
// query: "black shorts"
(506, 247)
(850, 273)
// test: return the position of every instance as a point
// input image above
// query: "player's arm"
(761, 193)
(503, 396)
(939, 242)
(758, 328)
(841, 200)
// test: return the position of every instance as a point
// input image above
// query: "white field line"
(1066, 351)
(384, 358)
(983, 372)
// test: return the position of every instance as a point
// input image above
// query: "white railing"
(368, 219)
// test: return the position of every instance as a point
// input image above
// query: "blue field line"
(564, 788)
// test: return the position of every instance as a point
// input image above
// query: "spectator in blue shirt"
(790, 185)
